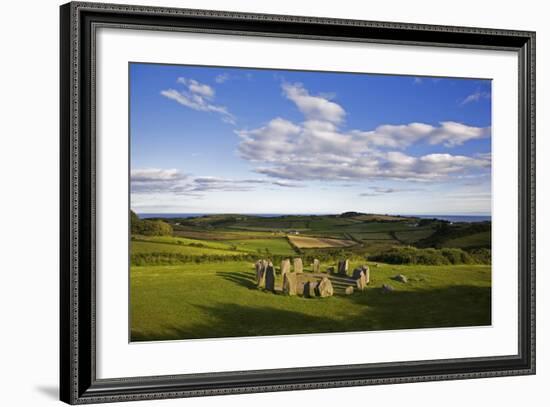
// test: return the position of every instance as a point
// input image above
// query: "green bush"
(431, 256)
(166, 258)
(148, 227)
(481, 256)
(457, 256)
(196, 244)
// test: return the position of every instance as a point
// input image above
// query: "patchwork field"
(275, 245)
(200, 281)
(303, 242)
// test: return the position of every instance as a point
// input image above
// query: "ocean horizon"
(449, 218)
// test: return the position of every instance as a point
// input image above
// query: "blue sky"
(235, 140)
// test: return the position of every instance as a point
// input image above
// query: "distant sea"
(456, 218)
(449, 218)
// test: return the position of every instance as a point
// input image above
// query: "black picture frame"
(78, 382)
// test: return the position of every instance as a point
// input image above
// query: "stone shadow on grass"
(239, 277)
(456, 306)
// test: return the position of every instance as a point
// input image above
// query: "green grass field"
(142, 246)
(168, 244)
(411, 236)
(474, 240)
(200, 282)
(212, 300)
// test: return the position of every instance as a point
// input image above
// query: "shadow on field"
(244, 279)
(453, 306)
(243, 320)
(456, 306)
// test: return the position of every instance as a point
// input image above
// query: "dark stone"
(309, 289)
(357, 273)
(270, 278)
(343, 266)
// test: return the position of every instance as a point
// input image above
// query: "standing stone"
(324, 288)
(361, 283)
(300, 287)
(349, 290)
(260, 274)
(309, 289)
(359, 277)
(366, 271)
(285, 266)
(343, 266)
(316, 266)
(270, 278)
(298, 265)
(358, 272)
(289, 284)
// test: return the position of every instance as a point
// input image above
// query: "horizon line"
(313, 213)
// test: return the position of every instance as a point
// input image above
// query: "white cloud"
(475, 97)
(197, 88)
(198, 96)
(452, 134)
(376, 191)
(269, 143)
(155, 175)
(221, 78)
(432, 166)
(449, 133)
(313, 107)
(282, 183)
(317, 149)
(392, 165)
(155, 180)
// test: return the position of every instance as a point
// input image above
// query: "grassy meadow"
(198, 279)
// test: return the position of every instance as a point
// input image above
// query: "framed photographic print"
(256, 203)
